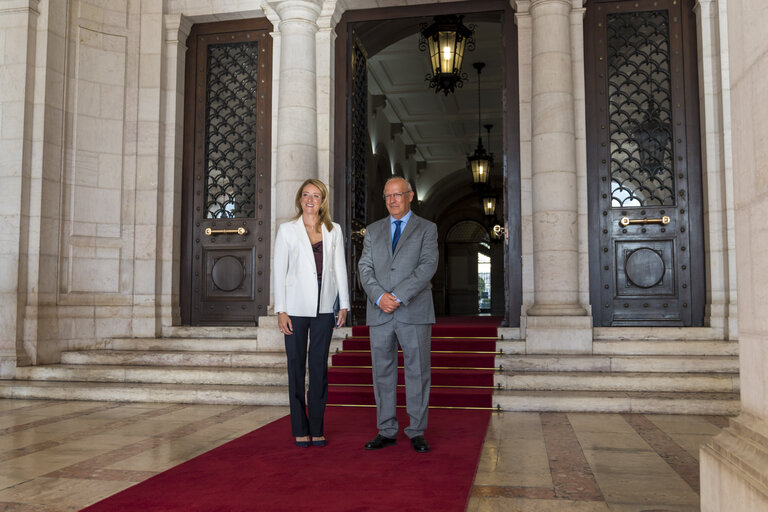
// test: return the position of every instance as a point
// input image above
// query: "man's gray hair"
(410, 189)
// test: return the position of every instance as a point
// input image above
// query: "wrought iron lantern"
(489, 205)
(480, 162)
(445, 40)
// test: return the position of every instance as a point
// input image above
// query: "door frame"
(186, 265)
(511, 126)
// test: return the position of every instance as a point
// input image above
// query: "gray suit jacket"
(406, 273)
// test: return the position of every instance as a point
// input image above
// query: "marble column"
(296, 156)
(18, 21)
(556, 322)
(297, 102)
(734, 464)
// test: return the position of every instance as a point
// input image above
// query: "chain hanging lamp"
(480, 162)
(445, 40)
(489, 205)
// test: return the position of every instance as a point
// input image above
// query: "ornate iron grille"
(640, 110)
(230, 141)
(359, 135)
(359, 145)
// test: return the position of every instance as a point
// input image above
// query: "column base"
(269, 336)
(558, 334)
(734, 467)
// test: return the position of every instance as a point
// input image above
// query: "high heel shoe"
(318, 442)
(302, 444)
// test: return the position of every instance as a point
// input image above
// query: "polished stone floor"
(61, 456)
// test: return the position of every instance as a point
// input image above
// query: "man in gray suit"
(398, 261)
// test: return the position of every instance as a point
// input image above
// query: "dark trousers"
(320, 330)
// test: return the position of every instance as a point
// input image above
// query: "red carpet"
(463, 354)
(264, 471)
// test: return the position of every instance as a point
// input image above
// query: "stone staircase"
(661, 370)
(658, 370)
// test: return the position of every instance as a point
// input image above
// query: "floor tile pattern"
(58, 456)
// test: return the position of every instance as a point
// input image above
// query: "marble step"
(665, 347)
(184, 344)
(189, 331)
(143, 392)
(195, 344)
(174, 358)
(624, 381)
(532, 401)
(619, 363)
(656, 333)
(276, 376)
(618, 402)
(644, 347)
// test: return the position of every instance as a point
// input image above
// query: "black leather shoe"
(420, 444)
(380, 442)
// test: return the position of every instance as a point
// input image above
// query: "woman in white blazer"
(309, 272)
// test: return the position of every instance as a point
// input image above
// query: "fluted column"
(297, 101)
(555, 213)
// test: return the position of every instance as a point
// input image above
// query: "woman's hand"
(284, 323)
(341, 318)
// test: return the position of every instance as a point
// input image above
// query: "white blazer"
(294, 274)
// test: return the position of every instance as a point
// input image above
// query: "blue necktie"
(396, 236)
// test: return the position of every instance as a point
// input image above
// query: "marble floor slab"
(58, 456)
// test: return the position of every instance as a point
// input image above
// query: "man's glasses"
(396, 195)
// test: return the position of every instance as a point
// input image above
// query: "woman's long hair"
(324, 212)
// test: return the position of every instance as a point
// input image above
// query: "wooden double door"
(225, 249)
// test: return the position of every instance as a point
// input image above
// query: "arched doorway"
(471, 285)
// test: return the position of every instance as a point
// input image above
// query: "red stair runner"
(462, 360)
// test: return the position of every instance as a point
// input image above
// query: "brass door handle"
(360, 232)
(238, 231)
(626, 221)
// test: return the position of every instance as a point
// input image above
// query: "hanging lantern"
(445, 40)
(480, 162)
(489, 205)
(480, 165)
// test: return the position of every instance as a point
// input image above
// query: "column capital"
(705, 6)
(331, 14)
(297, 10)
(522, 7)
(538, 3)
(177, 28)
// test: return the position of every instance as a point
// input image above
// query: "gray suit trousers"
(415, 340)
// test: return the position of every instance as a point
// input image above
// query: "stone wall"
(734, 466)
